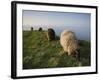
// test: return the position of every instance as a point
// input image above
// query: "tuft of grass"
(38, 52)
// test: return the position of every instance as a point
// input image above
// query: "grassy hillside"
(38, 52)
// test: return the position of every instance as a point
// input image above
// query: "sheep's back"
(68, 40)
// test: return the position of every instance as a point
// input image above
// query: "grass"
(38, 52)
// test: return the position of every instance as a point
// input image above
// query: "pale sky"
(55, 18)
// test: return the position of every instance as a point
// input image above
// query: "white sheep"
(69, 42)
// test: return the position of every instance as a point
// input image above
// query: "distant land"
(81, 33)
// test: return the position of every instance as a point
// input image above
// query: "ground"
(38, 52)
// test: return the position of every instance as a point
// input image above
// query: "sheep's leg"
(69, 53)
(78, 57)
(68, 50)
(78, 54)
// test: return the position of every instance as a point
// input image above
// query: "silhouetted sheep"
(40, 29)
(31, 28)
(51, 34)
(69, 43)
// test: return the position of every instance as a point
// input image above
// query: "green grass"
(38, 52)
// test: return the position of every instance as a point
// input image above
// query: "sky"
(78, 22)
(55, 18)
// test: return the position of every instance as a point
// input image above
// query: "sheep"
(51, 34)
(69, 43)
(40, 29)
(31, 28)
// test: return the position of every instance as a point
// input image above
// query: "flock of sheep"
(68, 41)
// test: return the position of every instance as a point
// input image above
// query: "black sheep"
(31, 28)
(51, 34)
(40, 29)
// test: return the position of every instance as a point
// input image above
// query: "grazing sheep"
(51, 34)
(69, 43)
(40, 29)
(31, 28)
